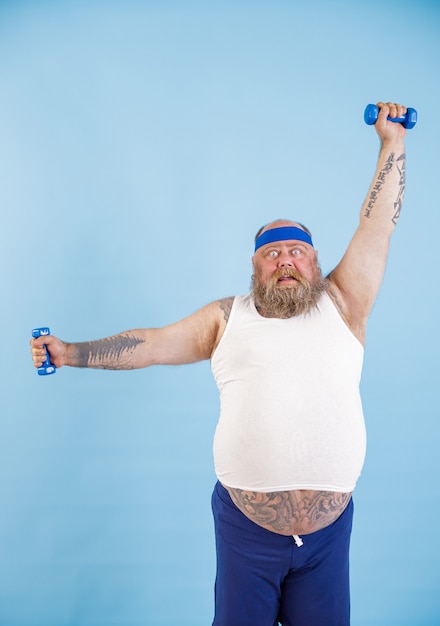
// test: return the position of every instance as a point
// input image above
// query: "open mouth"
(287, 279)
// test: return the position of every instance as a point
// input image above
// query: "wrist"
(393, 143)
(71, 355)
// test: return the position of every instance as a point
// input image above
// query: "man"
(290, 442)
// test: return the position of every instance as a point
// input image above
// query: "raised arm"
(356, 280)
(192, 339)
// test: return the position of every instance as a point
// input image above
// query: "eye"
(272, 254)
(297, 251)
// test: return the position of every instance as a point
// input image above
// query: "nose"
(285, 260)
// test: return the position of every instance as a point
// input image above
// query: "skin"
(294, 254)
(353, 286)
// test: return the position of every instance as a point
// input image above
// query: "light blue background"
(141, 146)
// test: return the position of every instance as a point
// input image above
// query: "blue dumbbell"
(47, 367)
(409, 120)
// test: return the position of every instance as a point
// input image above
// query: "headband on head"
(285, 233)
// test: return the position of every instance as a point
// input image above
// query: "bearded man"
(290, 441)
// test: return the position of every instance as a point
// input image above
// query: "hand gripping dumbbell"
(46, 368)
(409, 120)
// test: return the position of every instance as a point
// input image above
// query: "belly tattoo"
(291, 512)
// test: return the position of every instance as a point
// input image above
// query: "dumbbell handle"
(46, 368)
(409, 120)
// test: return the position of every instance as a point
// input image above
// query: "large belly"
(295, 512)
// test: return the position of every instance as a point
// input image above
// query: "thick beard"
(288, 300)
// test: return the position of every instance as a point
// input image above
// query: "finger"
(401, 110)
(39, 356)
(384, 111)
(395, 109)
(39, 352)
(38, 342)
(392, 109)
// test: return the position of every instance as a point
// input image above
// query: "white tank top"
(291, 414)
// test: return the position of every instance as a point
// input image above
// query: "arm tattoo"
(111, 354)
(291, 512)
(226, 306)
(377, 187)
(399, 200)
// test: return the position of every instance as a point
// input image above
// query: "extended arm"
(192, 339)
(356, 280)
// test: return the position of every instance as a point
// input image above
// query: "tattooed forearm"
(399, 200)
(391, 164)
(111, 353)
(378, 185)
(291, 512)
(226, 306)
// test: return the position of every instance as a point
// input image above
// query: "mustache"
(288, 272)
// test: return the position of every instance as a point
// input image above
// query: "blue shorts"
(264, 578)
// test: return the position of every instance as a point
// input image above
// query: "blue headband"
(285, 233)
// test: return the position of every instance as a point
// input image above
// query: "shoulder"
(225, 305)
(220, 310)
